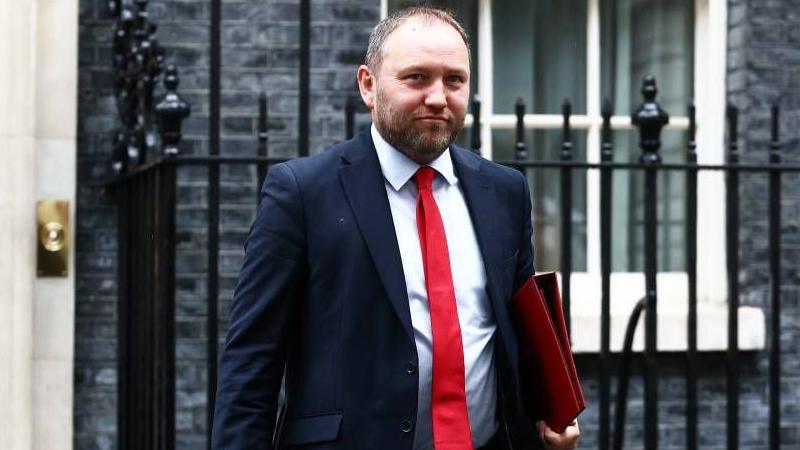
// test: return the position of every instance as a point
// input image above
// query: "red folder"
(550, 387)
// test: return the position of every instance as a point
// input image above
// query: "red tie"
(448, 397)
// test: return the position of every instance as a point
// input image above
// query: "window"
(545, 51)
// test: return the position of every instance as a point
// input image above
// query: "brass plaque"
(52, 237)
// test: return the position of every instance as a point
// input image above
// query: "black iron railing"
(147, 205)
(145, 189)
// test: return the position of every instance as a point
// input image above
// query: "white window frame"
(710, 36)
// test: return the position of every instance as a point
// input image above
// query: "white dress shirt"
(469, 281)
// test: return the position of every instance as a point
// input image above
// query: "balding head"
(385, 27)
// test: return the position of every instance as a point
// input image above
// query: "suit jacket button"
(405, 426)
(411, 368)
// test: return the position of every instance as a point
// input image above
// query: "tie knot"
(424, 177)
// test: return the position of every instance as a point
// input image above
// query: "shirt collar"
(398, 168)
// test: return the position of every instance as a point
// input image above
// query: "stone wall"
(38, 117)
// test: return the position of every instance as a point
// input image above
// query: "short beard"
(419, 147)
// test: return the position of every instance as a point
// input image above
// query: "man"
(378, 275)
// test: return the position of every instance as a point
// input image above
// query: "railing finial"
(171, 111)
(566, 131)
(475, 142)
(650, 119)
(606, 146)
(520, 151)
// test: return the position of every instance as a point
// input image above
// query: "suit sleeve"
(525, 267)
(270, 285)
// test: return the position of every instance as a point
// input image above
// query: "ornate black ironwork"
(171, 111)
(138, 63)
(650, 119)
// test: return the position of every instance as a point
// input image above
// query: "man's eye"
(415, 76)
(455, 79)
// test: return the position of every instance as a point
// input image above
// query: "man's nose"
(436, 97)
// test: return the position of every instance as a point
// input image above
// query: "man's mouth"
(436, 119)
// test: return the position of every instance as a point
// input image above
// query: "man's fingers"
(568, 439)
(568, 434)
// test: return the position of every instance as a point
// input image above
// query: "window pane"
(466, 12)
(647, 37)
(545, 185)
(628, 208)
(639, 38)
(539, 51)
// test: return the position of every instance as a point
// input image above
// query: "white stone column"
(17, 172)
(54, 298)
(38, 117)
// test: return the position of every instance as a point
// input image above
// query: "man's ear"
(366, 86)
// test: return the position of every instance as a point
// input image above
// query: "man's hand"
(566, 440)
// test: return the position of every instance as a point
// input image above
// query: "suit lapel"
(362, 179)
(479, 191)
(481, 196)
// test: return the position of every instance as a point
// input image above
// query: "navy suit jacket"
(322, 296)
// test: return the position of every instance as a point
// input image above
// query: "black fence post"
(170, 113)
(691, 271)
(650, 119)
(775, 285)
(305, 78)
(520, 150)
(148, 303)
(263, 142)
(166, 306)
(212, 285)
(732, 237)
(124, 314)
(566, 213)
(475, 135)
(350, 118)
(606, 204)
(136, 360)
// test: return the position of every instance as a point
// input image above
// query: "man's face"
(419, 95)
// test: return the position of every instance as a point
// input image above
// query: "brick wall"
(764, 69)
(96, 240)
